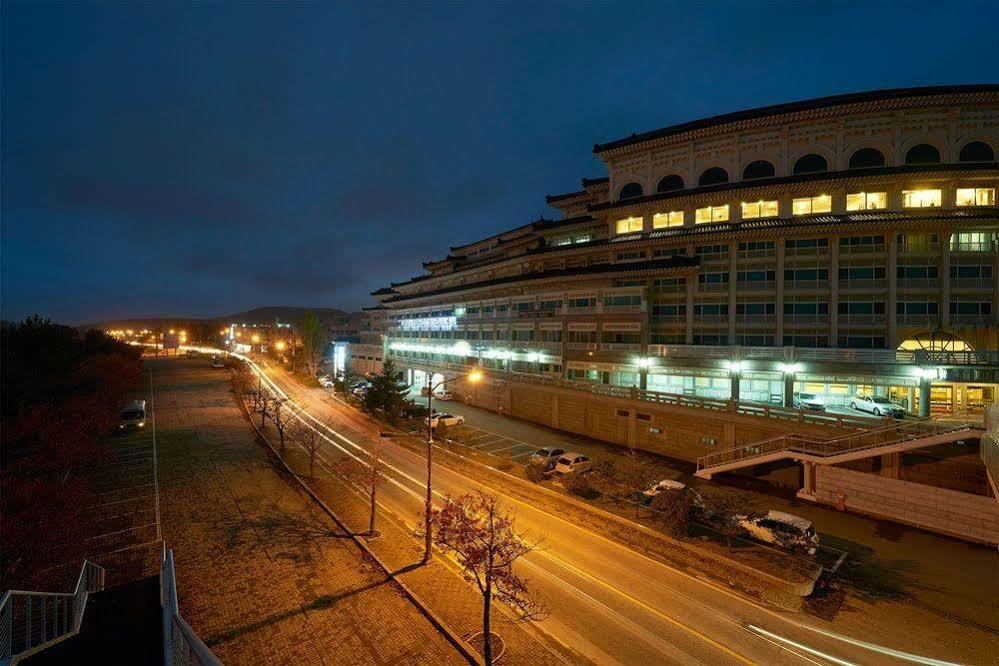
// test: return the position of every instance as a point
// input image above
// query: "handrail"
(34, 620)
(890, 434)
(180, 644)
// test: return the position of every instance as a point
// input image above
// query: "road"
(967, 591)
(615, 605)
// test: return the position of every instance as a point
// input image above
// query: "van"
(133, 416)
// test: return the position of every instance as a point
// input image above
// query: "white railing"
(181, 646)
(31, 621)
(894, 433)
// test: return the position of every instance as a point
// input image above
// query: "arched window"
(810, 163)
(977, 151)
(867, 158)
(922, 153)
(631, 190)
(713, 176)
(758, 169)
(670, 184)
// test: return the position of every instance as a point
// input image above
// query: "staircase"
(134, 623)
(894, 438)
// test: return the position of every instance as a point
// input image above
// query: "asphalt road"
(615, 605)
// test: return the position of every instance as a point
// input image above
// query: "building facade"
(840, 246)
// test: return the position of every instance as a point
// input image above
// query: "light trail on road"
(409, 485)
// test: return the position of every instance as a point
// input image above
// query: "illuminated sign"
(428, 324)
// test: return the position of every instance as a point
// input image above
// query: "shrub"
(579, 484)
(534, 472)
(674, 510)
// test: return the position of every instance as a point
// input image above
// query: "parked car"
(361, 390)
(547, 457)
(780, 529)
(663, 486)
(572, 462)
(808, 401)
(877, 405)
(218, 361)
(412, 410)
(445, 418)
(192, 353)
(133, 416)
(444, 396)
(326, 381)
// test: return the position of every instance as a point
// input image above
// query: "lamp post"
(473, 376)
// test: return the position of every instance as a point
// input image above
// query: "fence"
(181, 646)
(30, 621)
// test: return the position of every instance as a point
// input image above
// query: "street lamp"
(473, 376)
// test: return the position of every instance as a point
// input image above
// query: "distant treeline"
(62, 393)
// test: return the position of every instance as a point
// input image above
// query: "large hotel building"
(841, 246)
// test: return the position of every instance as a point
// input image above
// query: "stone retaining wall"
(962, 515)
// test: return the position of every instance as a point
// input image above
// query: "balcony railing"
(620, 346)
(792, 285)
(581, 346)
(971, 319)
(862, 320)
(927, 320)
(713, 287)
(863, 284)
(972, 283)
(710, 318)
(919, 283)
(755, 318)
(756, 285)
(928, 249)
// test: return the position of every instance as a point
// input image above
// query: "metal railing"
(30, 621)
(894, 433)
(181, 645)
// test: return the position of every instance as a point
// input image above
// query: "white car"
(446, 419)
(218, 362)
(663, 486)
(573, 462)
(877, 405)
(546, 457)
(326, 381)
(809, 401)
(444, 396)
(780, 529)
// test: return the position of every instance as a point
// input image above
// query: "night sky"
(173, 159)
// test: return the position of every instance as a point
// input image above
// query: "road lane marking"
(906, 656)
(782, 641)
(817, 653)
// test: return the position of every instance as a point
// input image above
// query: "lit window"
(674, 218)
(867, 201)
(711, 214)
(809, 205)
(976, 196)
(751, 211)
(921, 198)
(629, 225)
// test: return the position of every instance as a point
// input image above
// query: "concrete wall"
(962, 515)
(685, 433)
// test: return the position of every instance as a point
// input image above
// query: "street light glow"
(279, 345)
(474, 376)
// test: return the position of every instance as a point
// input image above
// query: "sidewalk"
(261, 576)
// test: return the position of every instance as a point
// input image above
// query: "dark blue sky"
(177, 159)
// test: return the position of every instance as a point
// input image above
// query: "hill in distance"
(264, 315)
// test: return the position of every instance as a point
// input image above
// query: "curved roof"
(804, 105)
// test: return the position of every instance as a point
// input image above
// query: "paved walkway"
(261, 577)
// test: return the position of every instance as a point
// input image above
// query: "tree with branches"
(278, 417)
(635, 475)
(343, 381)
(366, 473)
(479, 532)
(314, 340)
(310, 439)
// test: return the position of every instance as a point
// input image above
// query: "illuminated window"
(867, 201)
(629, 225)
(711, 214)
(976, 196)
(674, 218)
(809, 205)
(756, 209)
(921, 198)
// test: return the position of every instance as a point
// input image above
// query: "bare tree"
(310, 439)
(635, 475)
(477, 530)
(278, 417)
(366, 473)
